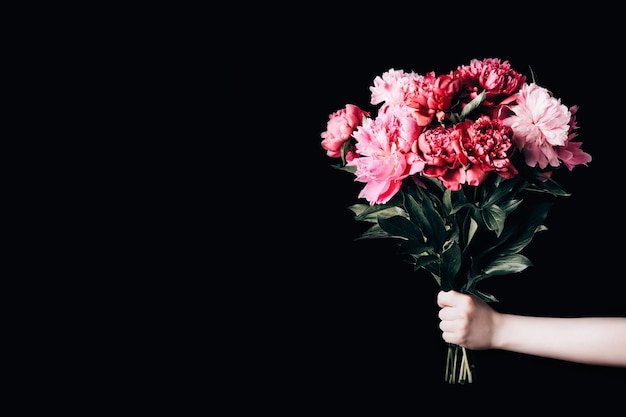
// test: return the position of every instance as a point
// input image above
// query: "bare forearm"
(591, 340)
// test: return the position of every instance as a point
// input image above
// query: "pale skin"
(470, 322)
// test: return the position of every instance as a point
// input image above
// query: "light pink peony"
(540, 123)
(393, 88)
(339, 128)
(384, 145)
(571, 154)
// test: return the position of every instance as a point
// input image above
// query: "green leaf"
(508, 264)
(519, 231)
(471, 231)
(502, 265)
(472, 105)
(549, 185)
(434, 274)
(428, 219)
(449, 265)
(503, 189)
(371, 213)
(488, 298)
(374, 232)
(446, 201)
(347, 145)
(415, 249)
(434, 185)
(494, 218)
(523, 231)
(348, 168)
(460, 206)
(401, 227)
(510, 205)
(423, 259)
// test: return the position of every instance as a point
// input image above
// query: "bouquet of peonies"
(445, 163)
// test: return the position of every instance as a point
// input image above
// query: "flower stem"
(458, 365)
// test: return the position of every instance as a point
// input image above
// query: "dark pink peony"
(488, 144)
(443, 157)
(339, 128)
(433, 95)
(492, 75)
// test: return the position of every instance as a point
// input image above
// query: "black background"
(346, 325)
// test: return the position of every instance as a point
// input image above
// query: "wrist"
(499, 338)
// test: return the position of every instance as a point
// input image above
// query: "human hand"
(466, 320)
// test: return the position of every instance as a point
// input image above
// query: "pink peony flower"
(488, 144)
(384, 145)
(442, 155)
(571, 154)
(394, 88)
(432, 97)
(339, 128)
(492, 75)
(540, 123)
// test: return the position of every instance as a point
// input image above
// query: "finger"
(448, 313)
(448, 326)
(447, 298)
(443, 298)
(451, 337)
